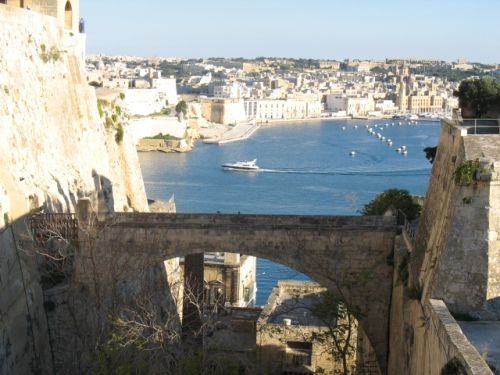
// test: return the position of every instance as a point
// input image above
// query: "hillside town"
(232, 91)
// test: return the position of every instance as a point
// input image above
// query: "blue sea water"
(307, 169)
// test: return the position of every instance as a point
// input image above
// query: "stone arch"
(347, 255)
(68, 15)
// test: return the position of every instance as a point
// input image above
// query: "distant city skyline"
(319, 29)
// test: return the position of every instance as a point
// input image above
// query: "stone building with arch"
(67, 12)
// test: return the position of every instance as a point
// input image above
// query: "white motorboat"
(352, 153)
(249, 165)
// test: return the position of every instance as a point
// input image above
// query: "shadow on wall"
(68, 199)
(56, 327)
(24, 338)
(104, 188)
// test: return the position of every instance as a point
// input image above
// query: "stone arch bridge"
(351, 256)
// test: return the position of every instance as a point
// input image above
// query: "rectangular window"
(298, 353)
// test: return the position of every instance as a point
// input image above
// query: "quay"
(237, 133)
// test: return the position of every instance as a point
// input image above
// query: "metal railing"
(478, 126)
(48, 226)
(408, 228)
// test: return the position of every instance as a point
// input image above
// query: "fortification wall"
(223, 111)
(439, 206)
(55, 149)
(24, 341)
(151, 126)
(424, 337)
(453, 264)
(457, 248)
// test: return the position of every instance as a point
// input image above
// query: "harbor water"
(327, 167)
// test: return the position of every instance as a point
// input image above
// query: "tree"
(378, 70)
(393, 199)
(138, 331)
(341, 329)
(335, 336)
(477, 96)
(430, 153)
(181, 107)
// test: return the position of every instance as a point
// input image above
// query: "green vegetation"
(181, 107)
(164, 112)
(51, 55)
(467, 200)
(114, 117)
(166, 137)
(95, 84)
(379, 70)
(453, 367)
(6, 219)
(109, 122)
(447, 71)
(341, 328)
(430, 153)
(119, 134)
(393, 199)
(100, 104)
(6, 90)
(464, 174)
(122, 95)
(172, 69)
(477, 96)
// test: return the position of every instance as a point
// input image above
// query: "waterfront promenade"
(237, 133)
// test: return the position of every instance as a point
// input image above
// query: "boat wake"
(402, 172)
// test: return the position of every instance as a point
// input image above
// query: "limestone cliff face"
(54, 145)
(54, 148)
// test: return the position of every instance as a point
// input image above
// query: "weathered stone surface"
(457, 253)
(348, 255)
(24, 342)
(424, 336)
(54, 149)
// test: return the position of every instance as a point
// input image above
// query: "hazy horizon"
(318, 29)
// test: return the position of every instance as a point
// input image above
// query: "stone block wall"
(457, 249)
(55, 149)
(24, 343)
(348, 255)
(424, 336)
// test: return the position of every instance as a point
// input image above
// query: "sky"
(319, 29)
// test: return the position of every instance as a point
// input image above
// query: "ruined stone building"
(290, 339)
